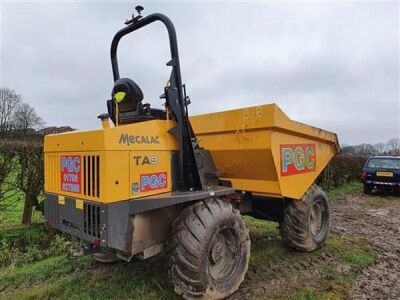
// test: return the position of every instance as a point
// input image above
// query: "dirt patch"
(376, 218)
(361, 259)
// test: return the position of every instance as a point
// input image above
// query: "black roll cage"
(187, 173)
(139, 24)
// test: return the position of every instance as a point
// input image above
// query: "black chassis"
(109, 225)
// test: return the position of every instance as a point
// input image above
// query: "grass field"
(13, 216)
(34, 265)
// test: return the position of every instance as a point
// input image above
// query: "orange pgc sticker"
(297, 159)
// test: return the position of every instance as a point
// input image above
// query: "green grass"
(358, 258)
(335, 242)
(344, 189)
(307, 294)
(261, 228)
(21, 246)
(14, 201)
(26, 235)
(59, 277)
(40, 271)
(13, 215)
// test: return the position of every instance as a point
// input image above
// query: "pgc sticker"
(151, 182)
(297, 159)
(71, 173)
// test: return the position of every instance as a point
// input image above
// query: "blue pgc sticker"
(151, 182)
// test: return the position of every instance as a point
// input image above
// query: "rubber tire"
(105, 257)
(295, 229)
(193, 233)
(367, 189)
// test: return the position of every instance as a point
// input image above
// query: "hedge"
(342, 169)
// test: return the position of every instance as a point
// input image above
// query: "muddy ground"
(377, 218)
(361, 259)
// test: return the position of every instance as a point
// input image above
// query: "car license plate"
(384, 174)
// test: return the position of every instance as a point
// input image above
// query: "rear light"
(96, 242)
(364, 174)
(48, 224)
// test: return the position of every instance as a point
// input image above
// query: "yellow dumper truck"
(155, 180)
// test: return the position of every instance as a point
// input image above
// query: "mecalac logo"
(155, 181)
(71, 225)
(297, 159)
(138, 139)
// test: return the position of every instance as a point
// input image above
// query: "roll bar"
(188, 175)
(139, 24)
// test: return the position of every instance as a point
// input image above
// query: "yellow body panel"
(112, 161)
(109, 138)
(247, 144)
(160, 162)
(258, 149)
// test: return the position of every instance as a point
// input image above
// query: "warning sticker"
(71, 173)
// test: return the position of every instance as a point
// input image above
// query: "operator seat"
(128, 96)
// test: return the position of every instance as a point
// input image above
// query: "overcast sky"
(330, 65)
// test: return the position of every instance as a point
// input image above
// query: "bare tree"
(380, 148)
(9, 196)
(30, 178)
(26, 118)
(394, 145)
(21, 154)
(9, 102)
(21, 171)
(365, 149)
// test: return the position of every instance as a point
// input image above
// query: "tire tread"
(294, 228)
(185, 263)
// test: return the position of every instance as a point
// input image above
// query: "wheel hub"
(316, 218)
(224, 254)
(218, 251)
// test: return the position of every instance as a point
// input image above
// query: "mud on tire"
(210, 250)
(305, 225)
